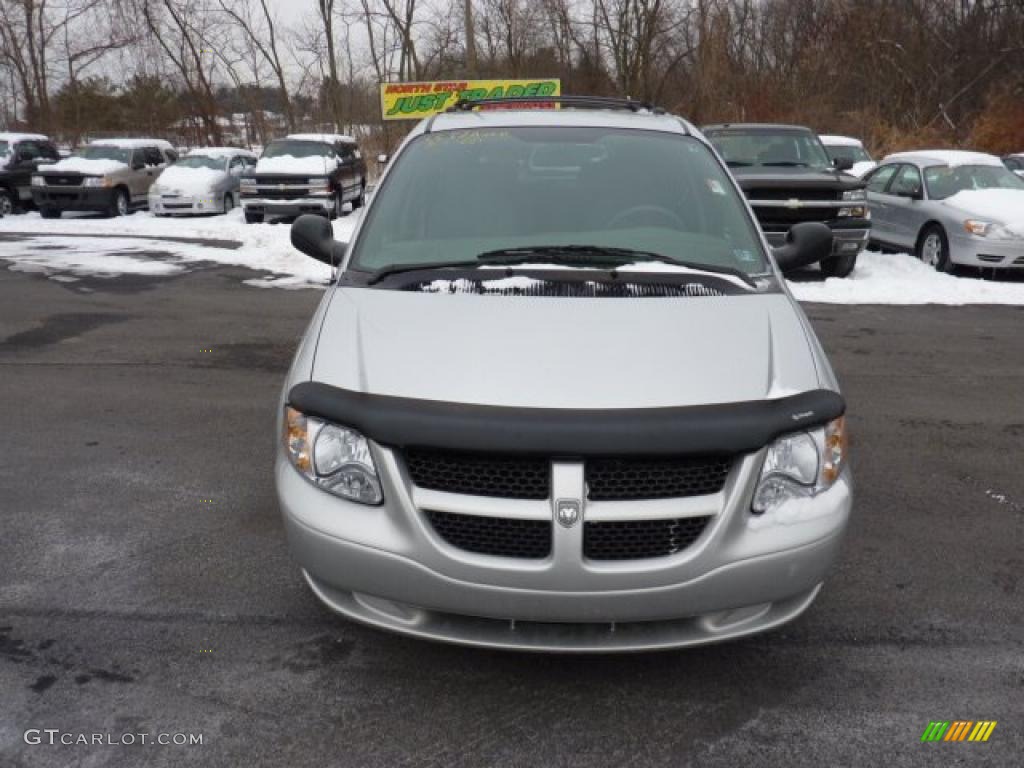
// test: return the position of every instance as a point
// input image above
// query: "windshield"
(5, 148)
(853, 154)
(454, 195)
(202, 161)
(769, 147)
(100, 152)
(290, 148)
(944, 181)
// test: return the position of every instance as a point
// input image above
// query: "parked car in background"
(949, 207)
(111, 176)
(852, 150)
(203, 181)
(20, 156)
(463, 454)
(305, 173)
(789, 178)
(1015, 163)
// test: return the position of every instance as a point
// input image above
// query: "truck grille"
(771, 193)
(655, 478)
(639, 539)
(498, 536)
(63, 181)
(511, 477)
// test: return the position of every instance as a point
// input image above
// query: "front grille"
(770, 193)
(655, 478)
(773, 219)
(63, 181)
(498, 536)
(266, 180)
(639, 539)
(512, 477)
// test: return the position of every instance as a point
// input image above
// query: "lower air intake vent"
(639, 539)
(525, 286)
(499, 536)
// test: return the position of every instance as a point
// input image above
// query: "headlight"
(855, 195)
(333, 457)
(801, 465)
(989, 229)
(247, 185)
(319, 184)
(96, 181)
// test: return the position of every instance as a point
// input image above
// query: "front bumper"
(293, 207)
(386, 566)
(177, 206)
(73, 198)
(975, 251)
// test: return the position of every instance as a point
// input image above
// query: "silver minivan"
(558, 397)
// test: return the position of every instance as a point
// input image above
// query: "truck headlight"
(990, 229)
(801, 465)
(96, 181)
(333, 457)
(319, 184)
(247, 186)
(857, 211)
(855, 195)
(38, 181)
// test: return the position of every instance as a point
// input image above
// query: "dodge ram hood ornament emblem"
(567, 511)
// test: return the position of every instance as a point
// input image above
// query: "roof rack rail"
(580, 102)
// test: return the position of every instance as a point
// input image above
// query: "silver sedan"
(950, 208)
(203, 181)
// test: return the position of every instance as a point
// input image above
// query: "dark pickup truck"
(20, 156)
(788, 178)
(305, 173)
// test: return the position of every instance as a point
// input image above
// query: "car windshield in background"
(298, 149)
(5, 148)
(120, 154)
(202, 161)
(769, 147)
(944, 181)
(454, 195)
(844, 152)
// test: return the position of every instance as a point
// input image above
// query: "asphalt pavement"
(146, 587)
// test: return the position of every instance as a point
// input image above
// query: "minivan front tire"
(119, 205)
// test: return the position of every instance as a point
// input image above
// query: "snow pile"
(90, 167)
(224, 152)
(326, 138)
(903, 279)
(862, 168)
(188, 181)
(1005, 206)
(265, 247)
(950, 157)
(317, 164)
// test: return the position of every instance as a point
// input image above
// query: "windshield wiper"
(600, 256)
(737, 163)
(786, 164)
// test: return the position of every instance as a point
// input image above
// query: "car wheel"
(933, 249)
(253, 218)
(119, 205)
(839, 266)
(50, 213)
(6, 203)
(360, 201)
(229, 202)
(336, 207)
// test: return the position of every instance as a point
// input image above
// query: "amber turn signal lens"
(297, 439)
(837, 448)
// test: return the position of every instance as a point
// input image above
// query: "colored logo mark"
(958, 730)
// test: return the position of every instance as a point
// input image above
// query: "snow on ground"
(54, 247)
(57, 249)
(903, 279)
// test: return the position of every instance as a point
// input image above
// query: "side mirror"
(842, 163)
(382, 158)
(806, 243)
(314, 236)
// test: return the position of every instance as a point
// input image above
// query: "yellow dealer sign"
(412, 101)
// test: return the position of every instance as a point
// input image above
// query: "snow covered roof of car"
(840, 141)
(132, 143)
(15, 136)
(220, 152)
(594, 118)
(951, 157)
(327, 138)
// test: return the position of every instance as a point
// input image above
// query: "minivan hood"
(564, 353)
